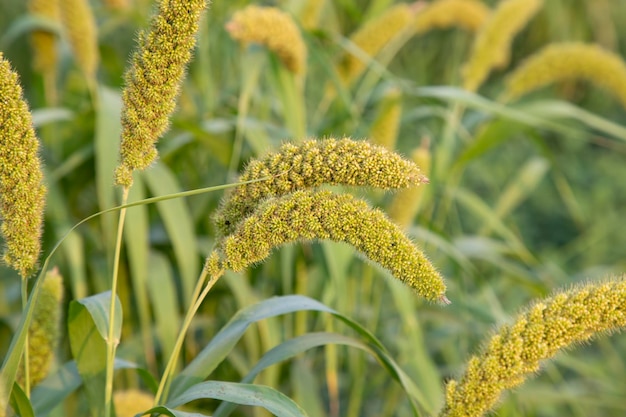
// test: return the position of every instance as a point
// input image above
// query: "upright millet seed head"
(22, 193)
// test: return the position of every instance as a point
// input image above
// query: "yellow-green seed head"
(44, 330)
(213, 265)
(492, 46)
(22, 193)
(153, 82)
(312, 215)
(374, 36)
(80, 28)
(274, 29)
(567, 61)
(311, 164)
(384, 130)
(310, 15)
(442, 14)
(406, 202)
(516, 351)
(131, 402)
(44, 42)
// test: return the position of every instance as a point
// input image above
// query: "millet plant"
(144, 289)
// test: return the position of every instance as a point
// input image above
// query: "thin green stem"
(164, 385)
(112, 344)
(26, 342)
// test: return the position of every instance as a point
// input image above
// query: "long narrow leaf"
(246, 394)
(223, 342)
(293, 347)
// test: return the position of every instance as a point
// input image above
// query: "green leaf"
(301, 344)
(107, 144)
(24, 25)
(171, 412)
(99, 308)
(16, 348)
(179, 225)
(137, 241)
(477, 102)
(246, 394)
(42, 117)
(224, 341)
(88, 321)
(55, 388)
(20, 403)
(162, 292)
(557, 109)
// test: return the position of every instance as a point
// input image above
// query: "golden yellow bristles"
(441, 14)
(374, 36)
(311, 164)
(492, 46)
(516, 351)
(44, 330)
(406, 202)
(274, 29)
(131, 402)
(80, 28)
(566, 61)
(312, 215)
(384, 130)
(153, 82)
(22, 193)
(44, 43)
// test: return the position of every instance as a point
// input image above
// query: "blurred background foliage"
(514, 209)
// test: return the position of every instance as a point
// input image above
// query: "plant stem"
(26, 342)
(164, 385)
(112, 344)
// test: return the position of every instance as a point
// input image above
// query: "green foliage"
(524, 197)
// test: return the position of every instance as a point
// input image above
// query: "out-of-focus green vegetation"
(524, 197)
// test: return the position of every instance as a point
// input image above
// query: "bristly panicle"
(311, 164)
(406, 202)
(567, 61)
(274, 29)
(516, 351)
(130, 402)
(80, 27)
(374, 36)
(492, 46)
(312, 215)
(441, 14)
(22, 193)
(44, 42)
(385, 128)
(45, 330)
(153, 82)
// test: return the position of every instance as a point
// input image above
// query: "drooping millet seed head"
(153, 82)
(313, 163)
(22, 193)
(441, 14)
(567, 61)
(515, 352)
(492, 45)
(318, 215)
(274, 29)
